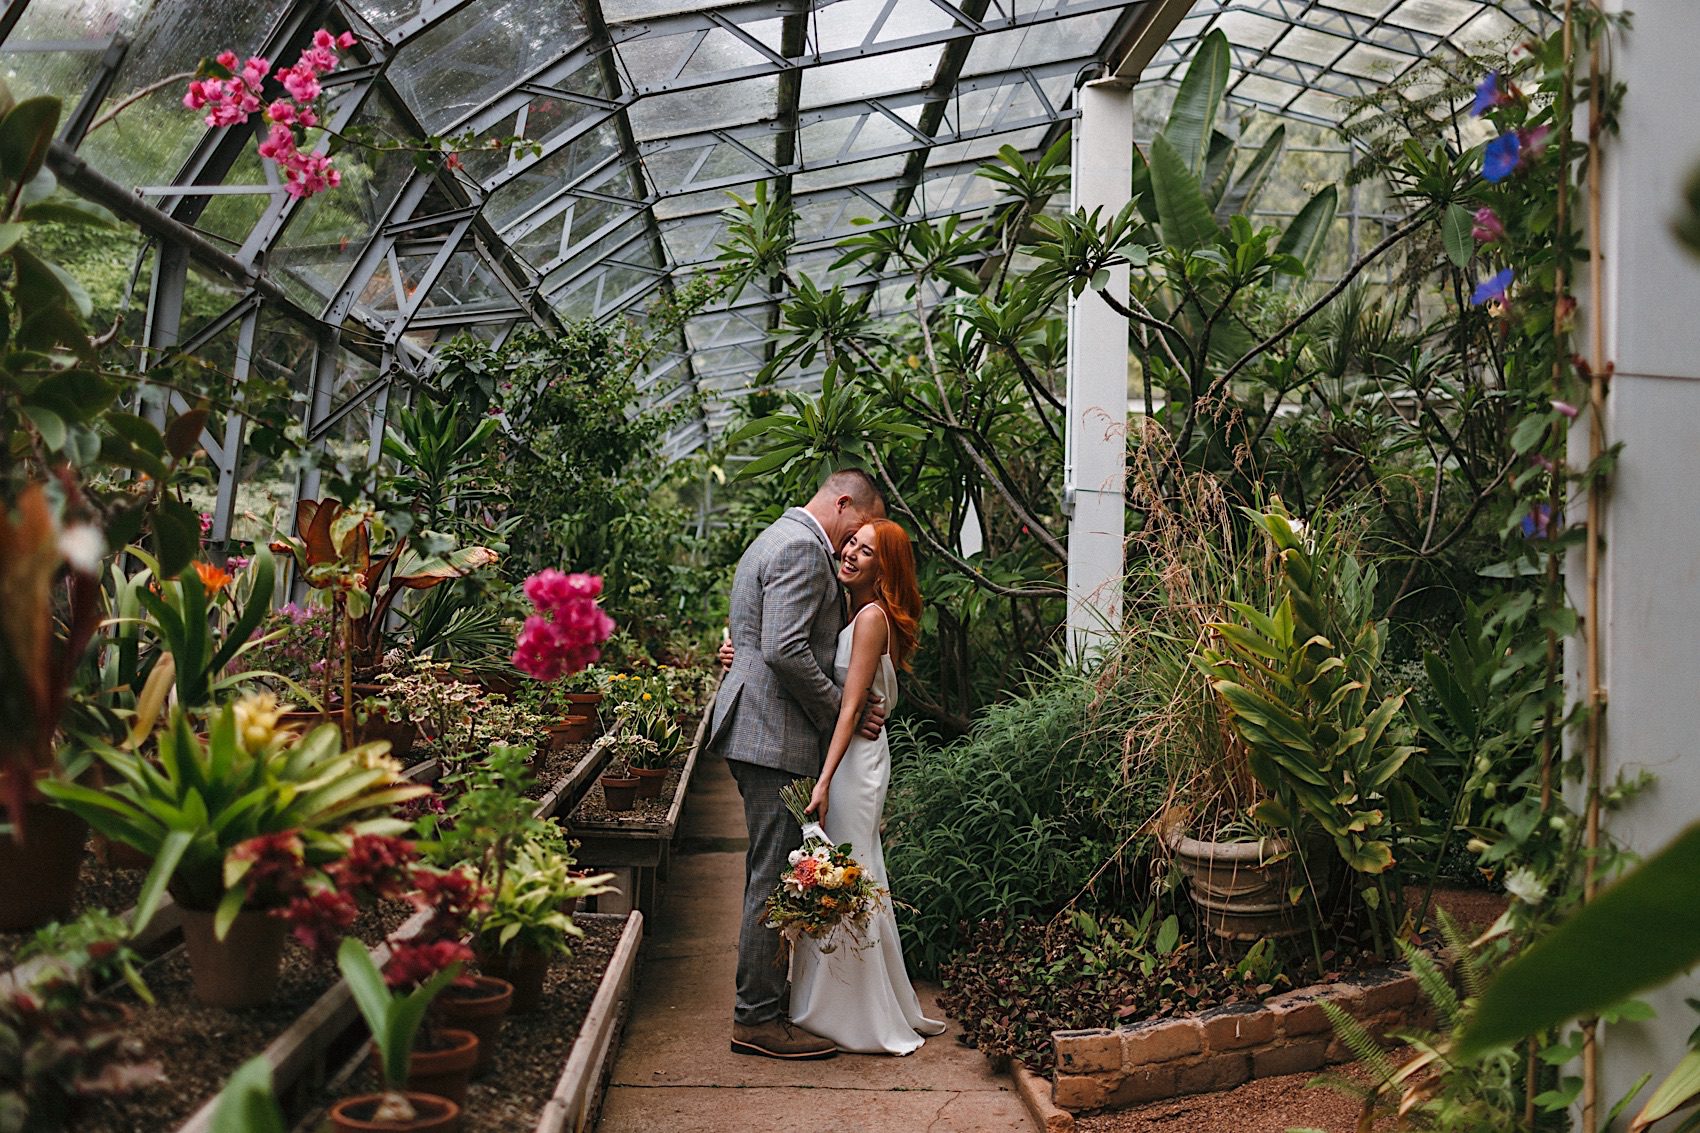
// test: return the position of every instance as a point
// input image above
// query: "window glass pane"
(480, 51)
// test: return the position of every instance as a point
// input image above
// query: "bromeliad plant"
(196, 800)
(1300, 685)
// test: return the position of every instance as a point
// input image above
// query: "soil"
(647, 812)
(554, 766)
(532, 1048)
(1268, 1105)
(98, 887)
(201, 1046)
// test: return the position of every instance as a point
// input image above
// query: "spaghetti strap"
(887, 651)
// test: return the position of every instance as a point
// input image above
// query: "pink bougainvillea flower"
(281, 111)
(1488, 227)
(346, 40)
(226, 59)
(563, 636)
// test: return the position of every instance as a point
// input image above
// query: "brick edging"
(1035, 1093)
(1226, 1046)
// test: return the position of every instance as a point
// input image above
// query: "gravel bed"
(1268, 1105)
(532, 1049)
(98, 887)
(554, 767)
(201, 1046)
(647, 812)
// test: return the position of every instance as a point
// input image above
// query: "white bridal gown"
(859, 995)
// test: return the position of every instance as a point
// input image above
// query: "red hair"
(896, 589)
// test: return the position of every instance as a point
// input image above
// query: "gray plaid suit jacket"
(778, 705)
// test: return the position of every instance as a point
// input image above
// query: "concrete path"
(675, 1074)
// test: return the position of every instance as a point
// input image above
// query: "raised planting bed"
(549, 1066)
(634, 845)
(200, 1046)
(309, 1028)
(1228, 1046)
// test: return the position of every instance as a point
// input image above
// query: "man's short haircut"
(858, 485)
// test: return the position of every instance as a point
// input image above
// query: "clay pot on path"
(435, 1115)
(477, 1004)
(650, 781)
(241, 970)
(38, 876)
(525, 969)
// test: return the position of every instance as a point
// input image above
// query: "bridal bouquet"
(824, 889)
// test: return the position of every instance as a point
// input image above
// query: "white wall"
(1651, 580)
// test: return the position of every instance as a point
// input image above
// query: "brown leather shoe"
(780, 1038)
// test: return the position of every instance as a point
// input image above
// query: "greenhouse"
(971, 565)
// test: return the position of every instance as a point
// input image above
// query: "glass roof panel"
(487, 46)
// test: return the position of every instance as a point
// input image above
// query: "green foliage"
(1299, 682)
(187, 808)
(1642, 931)
(1028, 810)
(247, 1104)
(1015, 981)
(392, 1017)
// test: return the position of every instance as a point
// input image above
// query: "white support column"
(1650, 578)
(1095, 454)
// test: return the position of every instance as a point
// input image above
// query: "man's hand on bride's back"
(873, 717)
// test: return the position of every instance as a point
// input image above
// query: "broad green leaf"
(1679, 1088)
(1192, 118)
(1455, 225)
(1639, 933)
(1237, 201)
(25, 134)
(246, 1104)
(1308, 231)
(159, 876)
(1181, 208)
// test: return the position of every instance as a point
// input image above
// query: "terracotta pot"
(435, 1115)
(38, 876)
(304, 722)
(1240, 888)
(650, 781)
(117, 855)
(524, 968)
(445, 1071)
(619, 794)
(240, 970)
(402, 734)
(478, 1005)
(586, 704)
(572, 730)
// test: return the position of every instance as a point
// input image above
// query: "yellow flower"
(646, 696)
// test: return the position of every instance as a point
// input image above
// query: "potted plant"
(1299, 682)
(619, 785)
(526, 925)
(188, 806)
(394, 1010)
(650, 761)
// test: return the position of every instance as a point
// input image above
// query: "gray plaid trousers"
(773, 835)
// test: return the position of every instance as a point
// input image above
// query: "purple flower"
(1488, 226)
(1492, 289)
(1532, 141)
(206, 522)
(1538, 523)
(1488, 95)
(1500, 157)
(236, 562)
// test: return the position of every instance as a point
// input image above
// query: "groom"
(773, 716)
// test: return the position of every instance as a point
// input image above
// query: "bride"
(858, 994)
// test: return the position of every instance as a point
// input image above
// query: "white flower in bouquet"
(796, 856)
(822, 854)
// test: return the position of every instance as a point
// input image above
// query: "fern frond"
(1466, 965)
(1365, 1047)
(1434, 985)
